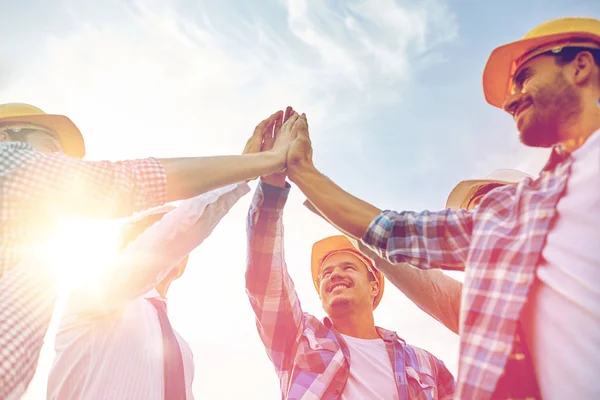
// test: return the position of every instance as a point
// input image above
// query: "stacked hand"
(286, 136)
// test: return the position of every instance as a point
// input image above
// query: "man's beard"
(553, 108)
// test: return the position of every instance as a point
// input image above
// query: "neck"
(358, 325)
(162, 288)
(588, 122)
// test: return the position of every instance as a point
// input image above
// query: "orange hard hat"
(340, 244)
(552, 35)
(67, 132)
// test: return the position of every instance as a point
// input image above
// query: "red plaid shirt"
(499, 245)
(34, 188)
(311, 358)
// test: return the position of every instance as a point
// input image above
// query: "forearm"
(431, 290)
(188, 177)
(161, 247)
(346, 212)
(268, 285)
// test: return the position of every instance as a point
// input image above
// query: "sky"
(392, 91)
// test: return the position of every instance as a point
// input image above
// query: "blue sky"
(392, 90)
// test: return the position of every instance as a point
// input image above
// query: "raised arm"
(425, 240)
(149, 258)
(117, 189)
(279, 317)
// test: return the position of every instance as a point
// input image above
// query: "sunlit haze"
(392, 91)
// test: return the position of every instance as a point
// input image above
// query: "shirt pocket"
(314, 353)
(421, 385)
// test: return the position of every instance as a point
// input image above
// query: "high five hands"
(285, 134)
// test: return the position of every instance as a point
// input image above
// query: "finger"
(276, 128)
(264, 123)
(291, 119)
(269, 127)
(288, 113)
(301, 125)
(267, 143)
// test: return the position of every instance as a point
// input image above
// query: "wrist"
(274, 180)
(302, 172)
(277, 161)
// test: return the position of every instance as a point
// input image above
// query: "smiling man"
(529, 251)
(345, 356)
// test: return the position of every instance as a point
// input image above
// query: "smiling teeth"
(337, 286)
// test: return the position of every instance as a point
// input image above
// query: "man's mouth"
(338, 286)
(522, 108)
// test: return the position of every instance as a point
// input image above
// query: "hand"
(265, 128)
(300, 152)
(284, 136)
(278, 178)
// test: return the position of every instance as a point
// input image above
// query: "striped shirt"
(499, 244)
(310, 356)
(109, 342)
(33, 188)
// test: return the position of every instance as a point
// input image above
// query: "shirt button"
(543, 215)
(523, 279)
(499, 347)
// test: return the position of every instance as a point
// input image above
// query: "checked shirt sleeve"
(27, 296)
(82, 188)
(30, 184)
(269, 287)
(425, 240)
(446, 384)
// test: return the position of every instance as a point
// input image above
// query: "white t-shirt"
(371, 371)
(562, 317)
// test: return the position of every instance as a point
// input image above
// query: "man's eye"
(521, 79)
(349, 267)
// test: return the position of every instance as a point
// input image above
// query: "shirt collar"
(559, 154)
(386, 335)
(153, 294)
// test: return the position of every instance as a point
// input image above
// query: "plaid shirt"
(34, 187)
(311, 358)
(499, 245)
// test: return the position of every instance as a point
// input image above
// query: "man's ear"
(583, 66)
(375, 288)
(4, 136)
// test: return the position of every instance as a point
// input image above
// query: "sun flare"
(81, 250)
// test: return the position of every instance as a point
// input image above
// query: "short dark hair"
(568, 54)
(133, 229)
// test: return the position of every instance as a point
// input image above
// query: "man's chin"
(535, 138)
(339, 303)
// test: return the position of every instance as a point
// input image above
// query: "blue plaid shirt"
(499, 245)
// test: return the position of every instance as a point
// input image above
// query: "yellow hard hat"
(69, 135)
(504, 60)
(340, 244)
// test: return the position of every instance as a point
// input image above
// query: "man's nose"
(512, 103)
